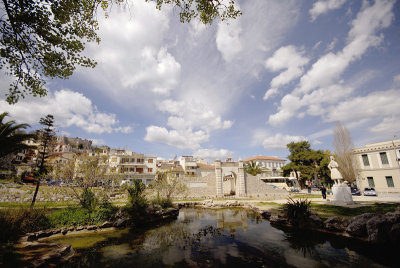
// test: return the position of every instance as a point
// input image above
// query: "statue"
(341, 191)
(336, 176)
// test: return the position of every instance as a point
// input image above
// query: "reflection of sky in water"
(220, 237)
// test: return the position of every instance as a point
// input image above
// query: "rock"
(208, 201)
(394, 234)
(79, 228)
(91, 227)
(56, 231)
(265, 214)
(71, 229)
(64, 231)
(31, 237)
(276, 219)
(378, 228)
(315, 221)
(120, 223)
(106, 224)
(335, 224)
(358, 225)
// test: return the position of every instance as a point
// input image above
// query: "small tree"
(253, 168)
(46, 137)
(344, 152)
(168, 184)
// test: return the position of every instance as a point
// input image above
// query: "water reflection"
(222, 238)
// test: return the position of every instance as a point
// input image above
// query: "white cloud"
(279, 141)
(228, 38)
(191, 124)
(69, 109)
(192, 115)
(388, 126)
(323, 6)
(186, 139)
(289, 59)
(270, 93)
(325, 72)
(289, 106)
(375, 105)
(396, 80)
(212, 154)
(317, 142)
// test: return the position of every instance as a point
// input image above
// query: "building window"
(384, 158)
(389, 181)
(150, 170)
(371, 182)
(365, 160)
(150, 161)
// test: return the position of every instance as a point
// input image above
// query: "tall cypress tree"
(46, 137)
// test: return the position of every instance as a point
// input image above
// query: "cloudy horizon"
(284, 71)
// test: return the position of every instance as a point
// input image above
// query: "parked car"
(369, 192)
(355, 191)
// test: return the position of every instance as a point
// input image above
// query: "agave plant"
(296, 210)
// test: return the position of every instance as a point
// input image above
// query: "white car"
(369, 192)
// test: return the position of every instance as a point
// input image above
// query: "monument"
(341, 191)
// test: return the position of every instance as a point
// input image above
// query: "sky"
(283, 71)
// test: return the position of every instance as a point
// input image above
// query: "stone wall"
(256, 188)
(200, 186)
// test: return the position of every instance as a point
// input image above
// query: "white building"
(379, 166)
(272, 163)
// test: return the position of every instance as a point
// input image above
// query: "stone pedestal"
(342, 194)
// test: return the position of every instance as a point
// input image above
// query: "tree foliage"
(253, 168)
(344, 152)
(12, 136)
(46, 138)
(168, 184)
(46, 38)
(305, 162)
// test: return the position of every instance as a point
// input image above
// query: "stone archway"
(229, 176)
(229, 183)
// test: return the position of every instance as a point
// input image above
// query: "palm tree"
(253, 168)
(12, 137)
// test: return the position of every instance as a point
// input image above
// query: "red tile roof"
(261, 157)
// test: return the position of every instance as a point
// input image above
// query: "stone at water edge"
(358, 225)
(336, 224)
(106, 224)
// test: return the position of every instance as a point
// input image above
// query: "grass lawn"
(308, 196)
(326, 211)
(37, 204)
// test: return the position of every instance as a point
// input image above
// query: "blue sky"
(284, 71)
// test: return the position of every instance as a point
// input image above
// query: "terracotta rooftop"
(261, 157)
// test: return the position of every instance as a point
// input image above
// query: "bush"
(163, 202)
(16, 222)
(296, 210)
(88, 200)
(137, 202)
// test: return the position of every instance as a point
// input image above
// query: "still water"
(221, 238)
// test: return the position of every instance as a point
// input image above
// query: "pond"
(221, 238)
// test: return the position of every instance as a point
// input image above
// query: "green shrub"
(163, 202)
(88, 200)
(137, 202)
(16, 222)
(296, 210)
